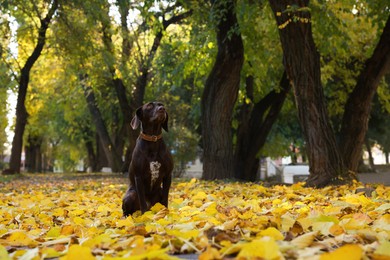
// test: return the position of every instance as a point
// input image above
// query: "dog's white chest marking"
(154, 171)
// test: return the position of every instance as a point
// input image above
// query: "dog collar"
(150, 138)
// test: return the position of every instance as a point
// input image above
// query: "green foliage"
(5, 78)
(262, 48)
(3, 120)
(346, 34)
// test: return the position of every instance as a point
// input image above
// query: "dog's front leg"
(139, 185)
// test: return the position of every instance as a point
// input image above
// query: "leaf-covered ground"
(80, 217)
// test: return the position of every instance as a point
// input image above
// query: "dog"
(151, 165)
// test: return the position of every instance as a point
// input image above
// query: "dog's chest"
(154, 171)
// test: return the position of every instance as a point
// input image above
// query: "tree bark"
(370, 157)
(254, 129)
(33, 161)
(220, 95)
(302, 64)
(21, 112)
(358, 107)
(114, 159)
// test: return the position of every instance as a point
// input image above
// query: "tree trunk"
(220, 95)
(254, 129)
(101, 158)
(370, 158)
(113, 158)
(21, 112)
(358, 107)
(91, 156)
(302, 63)
(33, 161)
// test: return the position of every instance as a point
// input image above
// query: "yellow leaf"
(127, 222)
(350, 252)
(358, 221)
(157, 207)
(67, 230)
(3, 253)
(383, 223)
(229, 225)
(78, 221)
(383, 249)
(336, 230)
(247, 215)
(272, 232)
(54, 232)
(287, 222)
(383, 207)
(49, 252)
(304, 241)
(210, 253)
(186, 234)
(322, 227)
(99, 240)
(161, 213)
(265, 248)
(103, 209)
(201, 195)
(77, 252)
(20, 238)
(77, 212)
(230, 248)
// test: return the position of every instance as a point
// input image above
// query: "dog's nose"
(161, 108)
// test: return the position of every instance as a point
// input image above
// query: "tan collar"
(150, 138)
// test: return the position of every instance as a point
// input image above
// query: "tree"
(328, 163)
(254, 128)
(21, 112)
(220, 94)
(302, 63)
(358, 107)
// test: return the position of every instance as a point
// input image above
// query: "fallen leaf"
(265, 248)
(76, 252)
(350, 252)
(3, 253)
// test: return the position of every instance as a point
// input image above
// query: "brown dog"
(151, 164)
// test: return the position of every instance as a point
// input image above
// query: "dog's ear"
(136, 121)
(165, 123)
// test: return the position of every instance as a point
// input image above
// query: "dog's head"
(152, 113)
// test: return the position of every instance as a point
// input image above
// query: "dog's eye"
(149, 106)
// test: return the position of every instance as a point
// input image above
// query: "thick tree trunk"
(254, 129)
(302, 63)
(114, 159)
(33, 161)
(21, 112)
(358, 107)
(220, 95)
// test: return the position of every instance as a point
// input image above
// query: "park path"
(375, 178)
